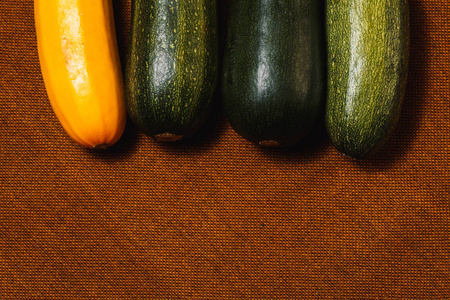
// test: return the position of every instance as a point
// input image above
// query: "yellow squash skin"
(81, 68)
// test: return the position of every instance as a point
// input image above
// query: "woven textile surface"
(216, 216)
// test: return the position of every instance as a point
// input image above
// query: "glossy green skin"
(172, 65)
(368, 51)
(274, 69)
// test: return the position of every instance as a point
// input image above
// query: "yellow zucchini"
(80, 65)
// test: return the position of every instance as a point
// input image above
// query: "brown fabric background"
(215, 216)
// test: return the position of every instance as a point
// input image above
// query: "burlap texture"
(215, 216)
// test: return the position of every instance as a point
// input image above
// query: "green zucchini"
(172, 66)
(368, 52)
(274, 69)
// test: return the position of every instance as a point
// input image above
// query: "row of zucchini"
(285, 64)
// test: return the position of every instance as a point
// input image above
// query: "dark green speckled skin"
(172, 65)
(368, 52)
(274, 69)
